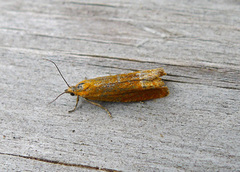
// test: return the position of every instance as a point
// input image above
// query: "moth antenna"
(58, 71)
(56, 98)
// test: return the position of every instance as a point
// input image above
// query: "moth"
(131, 87)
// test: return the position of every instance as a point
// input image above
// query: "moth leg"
(94, 103)
(75, 105)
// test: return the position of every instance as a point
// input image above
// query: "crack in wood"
(94, 4)
(112, 58)
(232, 88)
(60, 163)
(197, 66)
(82, 39)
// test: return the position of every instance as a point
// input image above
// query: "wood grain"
(195, 128)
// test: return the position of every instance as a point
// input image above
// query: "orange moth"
(130, 87)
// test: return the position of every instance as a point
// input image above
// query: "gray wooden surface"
(195, 128)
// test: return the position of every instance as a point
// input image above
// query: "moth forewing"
(116, 88)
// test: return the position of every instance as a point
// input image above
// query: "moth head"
(73, 90)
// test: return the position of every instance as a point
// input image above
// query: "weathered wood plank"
(195, 128)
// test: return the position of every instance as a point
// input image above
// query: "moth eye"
(80, 86)
(72, 94)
